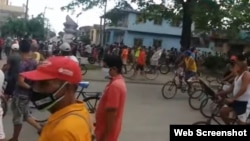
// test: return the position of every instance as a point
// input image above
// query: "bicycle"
(203, 96)
(215, 115)
(206, 92)
(89, 98)
(83, 67)
(173, 84)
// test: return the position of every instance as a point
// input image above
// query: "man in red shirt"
(1, 47)
(109, 113)
(141, 61)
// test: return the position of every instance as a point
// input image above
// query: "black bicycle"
(90, 98)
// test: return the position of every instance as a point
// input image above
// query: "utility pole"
(26, 9)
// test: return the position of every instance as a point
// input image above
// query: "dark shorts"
(189, 74)
(240, 107)
(139, 67)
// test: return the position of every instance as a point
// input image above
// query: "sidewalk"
(97, 75)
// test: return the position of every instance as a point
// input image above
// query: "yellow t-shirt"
(190, 64)
(137, 52)
(68, 128)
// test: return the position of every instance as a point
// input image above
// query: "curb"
(132, 82)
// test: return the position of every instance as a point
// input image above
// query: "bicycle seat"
(84, 84)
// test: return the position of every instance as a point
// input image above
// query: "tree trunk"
(186, 25)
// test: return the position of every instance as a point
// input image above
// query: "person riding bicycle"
(65, 50)
(230, 74)
(239, 102)
(190, 67)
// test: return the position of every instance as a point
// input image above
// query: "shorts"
(189, 74)
(139, 67)
(2, 134)
(241, 110)
(20, 109)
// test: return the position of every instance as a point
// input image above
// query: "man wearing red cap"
(55, 82)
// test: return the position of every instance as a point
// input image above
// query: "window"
(157, 43)
(158, 21)
(138, 41)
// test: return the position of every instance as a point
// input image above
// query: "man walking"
(109, 114)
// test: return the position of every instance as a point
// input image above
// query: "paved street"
(147, 115)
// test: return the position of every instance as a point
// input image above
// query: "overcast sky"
(56, 16)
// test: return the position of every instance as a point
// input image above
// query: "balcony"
(13, 10)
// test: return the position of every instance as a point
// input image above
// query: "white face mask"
(105, 72)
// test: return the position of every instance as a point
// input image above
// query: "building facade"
(9, 11)
(131, 31)
(92, 32)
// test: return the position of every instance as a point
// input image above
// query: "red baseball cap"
(60, 67)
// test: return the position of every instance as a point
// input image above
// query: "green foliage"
(228, 16)
(215, 63)
(21, 27)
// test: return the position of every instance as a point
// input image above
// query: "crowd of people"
(50, 84)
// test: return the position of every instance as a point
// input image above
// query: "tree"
(220, 16)
(20, 27)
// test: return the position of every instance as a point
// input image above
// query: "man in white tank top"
(240, 100)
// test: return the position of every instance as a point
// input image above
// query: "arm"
(244, 85)
(21, 80)
(228, 91)
(22, 83)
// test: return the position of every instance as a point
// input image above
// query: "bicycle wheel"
(201, 123)
(91, 103)
(195, 102)
(164, 69)
(4, 104)
(207, 107)
(167, 89)
(38, 116)
(195, 86)
(196, 93)
(130, 67)
(84, 69)
(151, 74)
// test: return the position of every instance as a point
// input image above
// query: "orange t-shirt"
(114, 96)
(124, 54)
(141, 58)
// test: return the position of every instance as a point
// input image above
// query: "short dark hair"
(24, 46)
(113, 61)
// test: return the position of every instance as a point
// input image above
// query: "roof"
(120, 11)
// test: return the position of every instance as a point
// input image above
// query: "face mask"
(105, 72)
(44, 101)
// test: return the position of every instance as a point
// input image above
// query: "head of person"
(34, 45)
(188, 53)
(24, 47)
(193, 49)
(113, 64)
(240, 66)
(65, 49)
(15, 47)
(233, 59)
(55, 83)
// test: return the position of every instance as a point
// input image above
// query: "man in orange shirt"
(124, 56)
(141, 61)
(109, 114)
